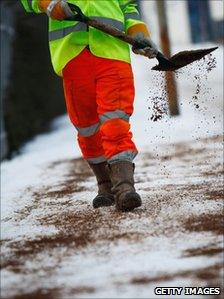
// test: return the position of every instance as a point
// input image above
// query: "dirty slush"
(201, 68)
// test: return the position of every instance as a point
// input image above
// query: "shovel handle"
(123, 36)
(111, 30)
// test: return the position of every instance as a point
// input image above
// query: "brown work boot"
(122, 177)
(104, 196)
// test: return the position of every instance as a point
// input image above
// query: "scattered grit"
(159, 104)
(186, 206)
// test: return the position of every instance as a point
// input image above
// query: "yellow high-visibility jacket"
(68, 38)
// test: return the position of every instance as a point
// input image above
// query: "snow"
(192, 123)
(156, 240)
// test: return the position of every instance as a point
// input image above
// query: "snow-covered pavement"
(54, 245)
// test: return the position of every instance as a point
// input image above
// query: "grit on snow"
(55, 245)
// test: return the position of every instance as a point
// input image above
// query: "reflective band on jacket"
(114, 114)
(123, 156)
(51, 7)
(60, 33)
(133, 16)
(97, 160)
(88, 131)
(67, 39)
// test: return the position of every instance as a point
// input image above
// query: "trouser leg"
(115, 96)
(80, 95)
(99, 106)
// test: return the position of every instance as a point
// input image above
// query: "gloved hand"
(56, 9)
(146, 47)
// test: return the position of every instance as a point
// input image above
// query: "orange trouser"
(99, 97)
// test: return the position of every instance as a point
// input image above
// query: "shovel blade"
(182, 59)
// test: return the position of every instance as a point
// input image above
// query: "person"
(99, 88)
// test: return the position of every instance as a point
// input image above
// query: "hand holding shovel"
(173, 63)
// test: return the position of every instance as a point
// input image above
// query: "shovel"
(173, 63)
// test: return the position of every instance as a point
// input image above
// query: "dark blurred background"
(31, 94)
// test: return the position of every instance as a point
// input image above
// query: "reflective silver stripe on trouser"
(114, 114)
(96, 160)
(126, 155)
(132, 15)
(60, 33)
(88, 131)
(123, 156)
